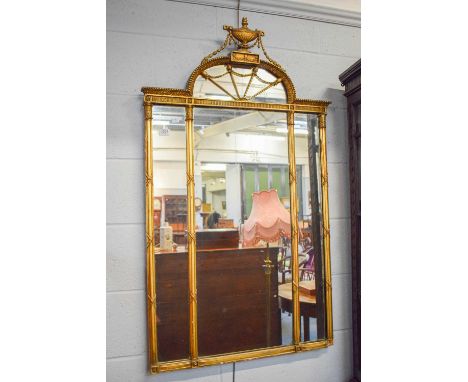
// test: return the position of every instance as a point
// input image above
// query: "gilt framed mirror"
(238, 245)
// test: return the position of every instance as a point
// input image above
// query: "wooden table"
(307, 302)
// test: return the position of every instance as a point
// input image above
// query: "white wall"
(169, 178)
(233, 193)
(159, 43)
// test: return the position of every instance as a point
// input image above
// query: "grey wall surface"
(159, 43)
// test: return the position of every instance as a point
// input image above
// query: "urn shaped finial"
(244, 35)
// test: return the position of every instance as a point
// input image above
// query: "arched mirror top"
(223, 79)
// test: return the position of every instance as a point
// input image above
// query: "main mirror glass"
(243, 230)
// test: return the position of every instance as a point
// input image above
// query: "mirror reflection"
(170, 225)
(243, 230)
(311, 296)
(225, 82)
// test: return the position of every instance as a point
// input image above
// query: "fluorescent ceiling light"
(213, 167)
(296, 122)
(159, 117)
(297, 131)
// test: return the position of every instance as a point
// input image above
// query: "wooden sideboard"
(235, 302)
(175, 213)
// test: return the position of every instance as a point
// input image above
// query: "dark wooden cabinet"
(217, 238)
(351, 79)
(175, 213)
(237, 302)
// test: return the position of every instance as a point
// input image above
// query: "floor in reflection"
(286, 328)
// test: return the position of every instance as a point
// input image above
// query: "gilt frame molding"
(184, 97)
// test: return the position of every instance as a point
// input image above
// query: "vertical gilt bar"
(191, 239)
(294, 231)
(326, 226)
(151, 273)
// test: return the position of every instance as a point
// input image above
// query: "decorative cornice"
(288, 9)
(353, 71)
(300, 101)
(166, 91)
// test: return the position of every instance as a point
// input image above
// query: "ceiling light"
(160, 123)
(213, 167)
(284, 130)
(158, 117)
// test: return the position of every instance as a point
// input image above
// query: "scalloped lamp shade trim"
(268, 220)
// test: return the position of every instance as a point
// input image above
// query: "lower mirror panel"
(172, 307)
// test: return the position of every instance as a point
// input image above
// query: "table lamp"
(268, 221)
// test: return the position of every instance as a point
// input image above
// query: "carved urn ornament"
(244, 35)
(241, 37)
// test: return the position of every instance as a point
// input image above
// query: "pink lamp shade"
(268, 220)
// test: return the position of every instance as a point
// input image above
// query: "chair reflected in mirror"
(306, 267)
(284, 261)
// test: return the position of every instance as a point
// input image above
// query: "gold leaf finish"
(244, 35)
(150, 271)
(326, 223)
(294, 231)
(245, 39)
